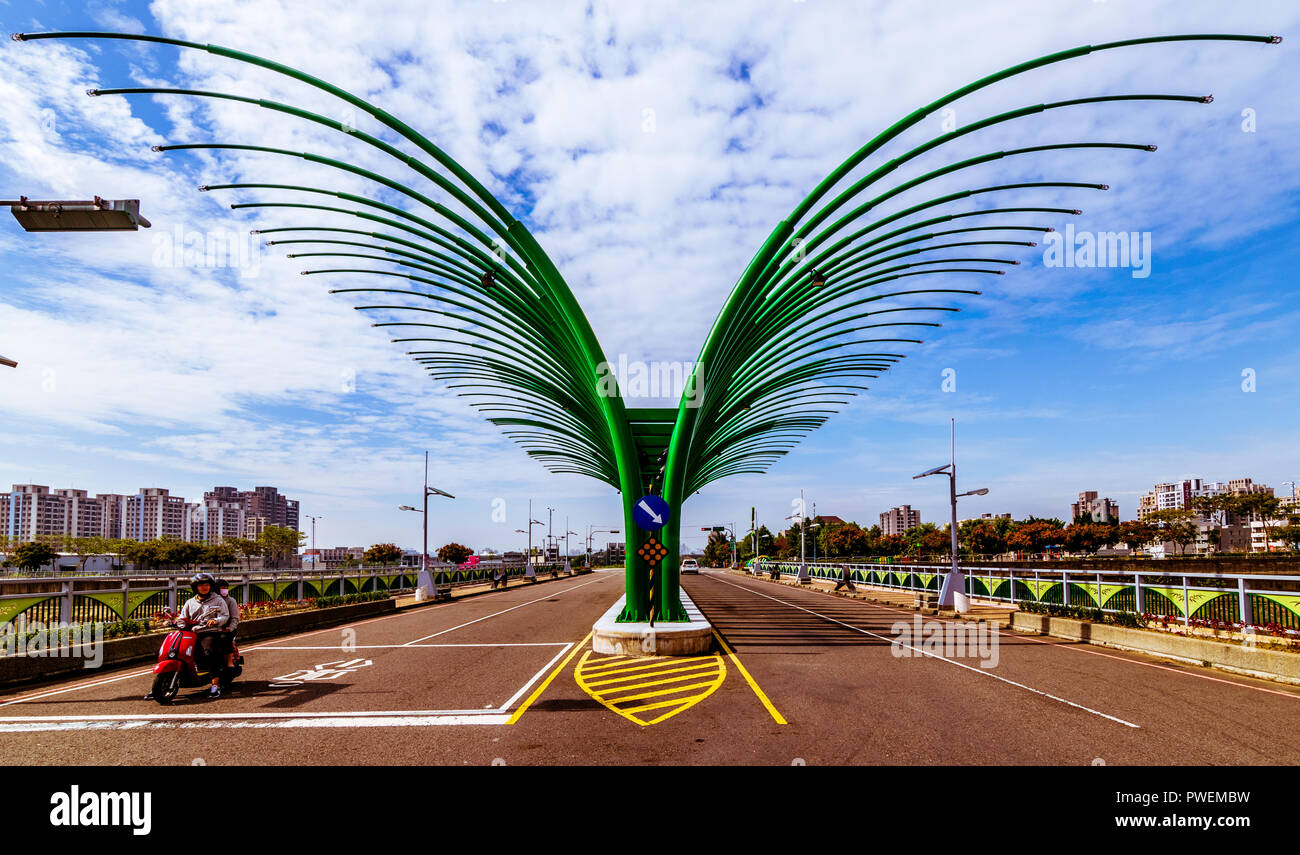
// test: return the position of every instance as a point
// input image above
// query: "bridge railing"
(1249, 600)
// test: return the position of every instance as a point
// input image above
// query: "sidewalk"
(998, 613)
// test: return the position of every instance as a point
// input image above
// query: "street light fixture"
(96, 215)
(425, 587)
(953, 592)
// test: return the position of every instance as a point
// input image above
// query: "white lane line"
(982, 673)
(209, 716)
(299, 720)
(536, 676)
(348, 647)
(503, 611)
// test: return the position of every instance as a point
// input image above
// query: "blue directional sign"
(650, 513)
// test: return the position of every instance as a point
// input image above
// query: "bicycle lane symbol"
(323, 671)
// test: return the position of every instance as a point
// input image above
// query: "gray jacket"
(233, 608)
(199, 611)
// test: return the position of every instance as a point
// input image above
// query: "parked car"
(690, 565)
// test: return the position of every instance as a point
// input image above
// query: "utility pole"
(315, 556)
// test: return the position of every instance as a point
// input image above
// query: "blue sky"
(650, 149)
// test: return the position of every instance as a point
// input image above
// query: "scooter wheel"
(166, 687)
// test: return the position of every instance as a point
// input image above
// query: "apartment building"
(900, 519)
(29, 511)
(1101, 510)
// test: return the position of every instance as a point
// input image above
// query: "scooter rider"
(207, 610)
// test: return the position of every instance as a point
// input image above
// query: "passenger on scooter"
(207, 610)
(228, 637)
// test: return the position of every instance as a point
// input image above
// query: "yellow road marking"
(611, 691)
(750, 680)
(537, 693)
(647, 674)
(651, 683)
(661, 692)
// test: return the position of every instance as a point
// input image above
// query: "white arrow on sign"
(654, 516)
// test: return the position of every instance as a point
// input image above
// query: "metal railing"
(1249, 600)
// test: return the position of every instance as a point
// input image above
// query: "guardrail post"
(342, 586)
(300, 584)
(243, 584)
(1065, 589)
(126, 599)
(1243, 602)
(1187, 606)
(1098, 589)
(1137, 593)
(65, 604)
(1011, 586)
(171, 593)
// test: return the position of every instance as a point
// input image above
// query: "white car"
(690, 565)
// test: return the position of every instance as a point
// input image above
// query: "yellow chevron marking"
(615, 682)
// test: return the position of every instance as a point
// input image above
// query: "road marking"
(503, 611)
(428, 718)
(518, 714)
(932, 655)
(535, 677)
(759, 693)
(708, 671)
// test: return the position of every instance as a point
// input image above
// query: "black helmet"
(222, 583)
(202, 577)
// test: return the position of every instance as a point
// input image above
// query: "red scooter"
(178, 667)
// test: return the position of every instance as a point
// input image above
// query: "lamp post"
(591, 532)
(954, 584)
(425, 586)
(315, 556)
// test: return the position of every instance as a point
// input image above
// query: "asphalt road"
(805, 678)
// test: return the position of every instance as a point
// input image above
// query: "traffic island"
(688, 638)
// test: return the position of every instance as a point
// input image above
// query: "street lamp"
(592, 531)
(314, 554)
(954, 584)
(97, 215)
(425, 586)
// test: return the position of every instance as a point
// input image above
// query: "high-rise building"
(153, 513)
(32, 511)
(1101, 510)
(900, 519)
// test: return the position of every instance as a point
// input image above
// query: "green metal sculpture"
(780, 358)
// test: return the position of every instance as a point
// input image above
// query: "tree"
(383, 553)
(843, 541)
(937, 540)
(277, 543)
(454, 553)
(1174, 525)
(220, 554)
(1262, 505)
(981, 538)
(717, 552)
(1089, 537)
(244, 548)
(890, 544)
(183, 554)
(32, 556)
(1033, 535)
(144, 554)
(1290, 535)
(1135, 534)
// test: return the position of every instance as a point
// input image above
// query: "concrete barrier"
(1280, 665)
(15, 670)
